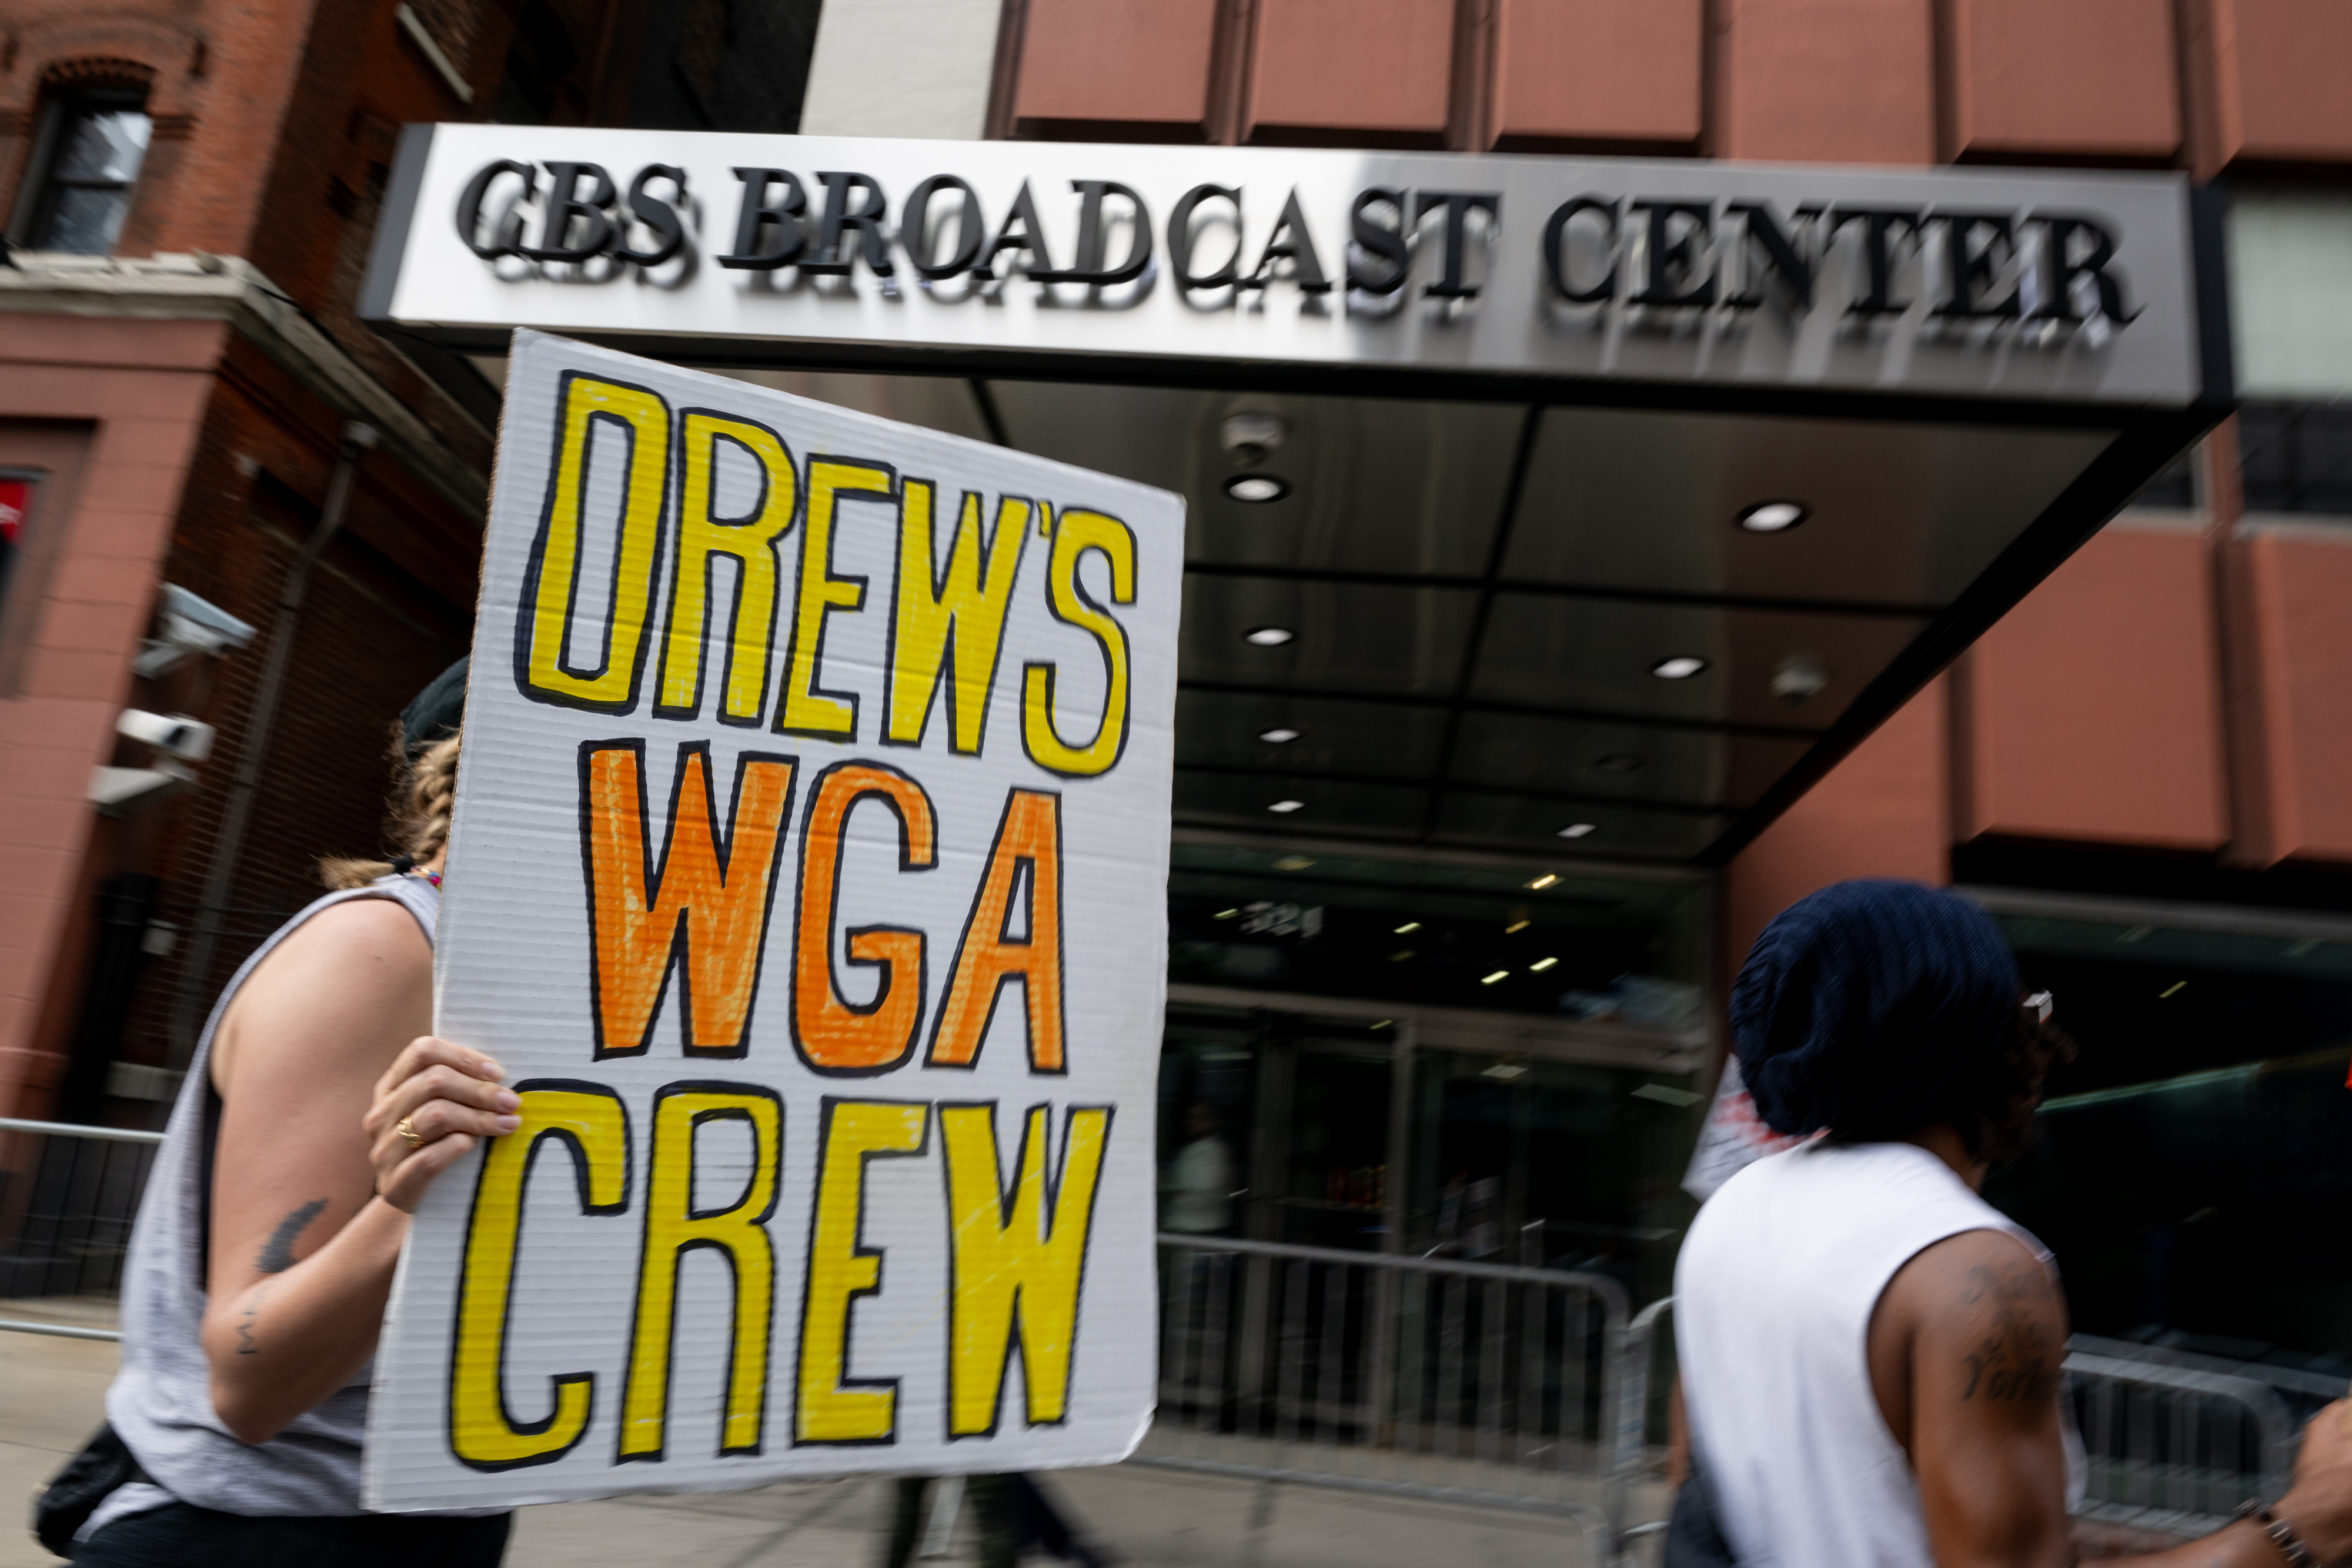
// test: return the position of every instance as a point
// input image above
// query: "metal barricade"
(1415, 1377)
(68, 1196)
(2176, 1448)
(2166, 1449)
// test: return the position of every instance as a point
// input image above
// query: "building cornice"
(205, 287)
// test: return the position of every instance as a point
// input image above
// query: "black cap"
(436, 711)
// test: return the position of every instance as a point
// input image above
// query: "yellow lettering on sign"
(1019, 1259)
(545, 667)
(739, 1232)
(1076, 534)
(963, 609)
(590, 1121)
(805, 709)
(751, 541)
(704, 911)
(833, 1407)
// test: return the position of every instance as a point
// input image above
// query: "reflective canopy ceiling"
(1483, 599)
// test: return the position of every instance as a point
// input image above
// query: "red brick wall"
(2093, 711)
(1884, 811)
(2205, 82)
(2294, 582)
(137, 389)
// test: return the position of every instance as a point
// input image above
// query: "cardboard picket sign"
(808, 875)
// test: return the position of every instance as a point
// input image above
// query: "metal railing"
(68, 1197)
(1422, 1377)
(1457, 1382)
(2168, 1448)
(2176, 1448)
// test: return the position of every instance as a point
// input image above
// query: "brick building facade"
(2155, 733)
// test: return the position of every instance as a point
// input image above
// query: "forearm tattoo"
(245, 1344)
(277, 1253)
(2018, 1358)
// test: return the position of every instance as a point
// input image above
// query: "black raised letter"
(1878, 225)
(1758, 226)
(558, 240)
(469, 210)
(781, 216)
(1555, 250)
(1290, 239)
(2060, 267)
(1088, 267)
(865, 221)
(656, 215)
(1379, 239)
(914, 228)
(1023, 233)
(1674, 260)
(1179, 237)
(1975, 246)
(1458, 206)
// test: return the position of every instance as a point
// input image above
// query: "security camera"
(190, 624)
(1250, 439)
(188, 739)
(120, 791)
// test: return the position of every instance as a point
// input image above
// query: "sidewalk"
(52, 1390)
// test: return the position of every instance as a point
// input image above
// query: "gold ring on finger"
(406, 1128)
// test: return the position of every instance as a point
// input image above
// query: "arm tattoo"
(2017, 1359)
(277, 1252)
(245, 1344)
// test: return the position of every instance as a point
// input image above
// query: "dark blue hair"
(1876, 1008)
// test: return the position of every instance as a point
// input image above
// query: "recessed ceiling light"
(1679, 667)
(1408, 928)
(1774, 517)
(1507, 1071)
(1383, 1023)
(1543, 882)
(1224, 914)
(1294, 863)
(1399, 956)
(1620, 762)
(1540, 964)
(1280, 735)
(1516, 926)
(1267, 636)
(1255, 488)
(1497, 975)
(1284, 808)
(1579, 829)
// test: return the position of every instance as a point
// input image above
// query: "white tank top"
(1773, 1297)
(160, 1402)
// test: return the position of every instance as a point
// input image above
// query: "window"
(97, 144)
(2297, 456)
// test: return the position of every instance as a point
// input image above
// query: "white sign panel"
(808, 877)
(2069, 286)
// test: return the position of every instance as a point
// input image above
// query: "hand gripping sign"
(808, 876)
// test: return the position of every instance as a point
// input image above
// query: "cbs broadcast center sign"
(1151, 263)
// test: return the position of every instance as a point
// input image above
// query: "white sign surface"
(808, 876)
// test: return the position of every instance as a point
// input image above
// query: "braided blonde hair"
(420, 815)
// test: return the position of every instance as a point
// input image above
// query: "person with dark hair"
(1870, 1352)
(317, 1109)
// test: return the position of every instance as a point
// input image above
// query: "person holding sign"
(316, 1111)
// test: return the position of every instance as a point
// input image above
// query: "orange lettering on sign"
(834, 1036)
(1027, 856)
(703, 911)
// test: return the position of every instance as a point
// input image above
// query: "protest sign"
(808, 876)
